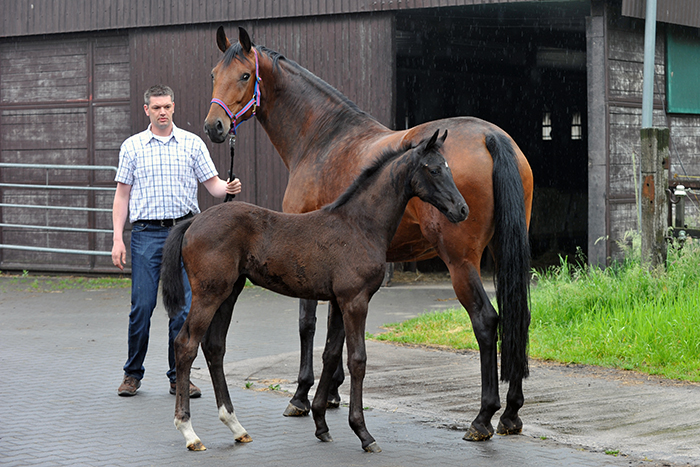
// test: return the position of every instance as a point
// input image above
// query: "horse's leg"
(510, 423)
(214, 348)
(354, 318)
(471, 294)
(332, 357)
(299, 405)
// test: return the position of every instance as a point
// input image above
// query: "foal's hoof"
(325, 437)
(372, 447)
(244, 439)
(196, 446)
(478, 434)
(510, 427)
(294, 411)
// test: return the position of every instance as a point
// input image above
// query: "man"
(157, 186)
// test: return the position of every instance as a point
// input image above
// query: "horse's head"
(432, 179)
(236, 86)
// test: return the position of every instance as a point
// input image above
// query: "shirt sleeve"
(204, 167)
(125, 170)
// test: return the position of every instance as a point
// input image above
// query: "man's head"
(159, 105)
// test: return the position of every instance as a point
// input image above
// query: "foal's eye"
(245, 77)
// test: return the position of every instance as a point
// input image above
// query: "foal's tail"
(511, 246)
(171, 270)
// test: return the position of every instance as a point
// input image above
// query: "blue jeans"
(146, 257)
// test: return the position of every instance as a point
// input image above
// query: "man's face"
(160, 111)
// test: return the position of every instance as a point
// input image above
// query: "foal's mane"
(361, 182)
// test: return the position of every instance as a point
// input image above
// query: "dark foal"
(325, 141)
(336, 254)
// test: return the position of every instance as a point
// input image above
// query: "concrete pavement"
(61, 354)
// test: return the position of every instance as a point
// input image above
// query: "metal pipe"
(649, 55)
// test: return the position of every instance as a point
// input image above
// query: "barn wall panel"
(62, 102)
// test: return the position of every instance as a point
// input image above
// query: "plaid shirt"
(163, 173)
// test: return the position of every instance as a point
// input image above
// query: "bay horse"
(324, 140)
(337, 253)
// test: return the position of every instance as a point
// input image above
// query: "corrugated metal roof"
(683, 12)
(33, 17)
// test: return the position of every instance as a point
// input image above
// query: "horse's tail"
(511, 247)
(171, 270)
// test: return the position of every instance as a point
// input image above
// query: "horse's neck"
(307, 117)
(379, 207)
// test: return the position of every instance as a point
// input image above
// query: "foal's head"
(431, 179)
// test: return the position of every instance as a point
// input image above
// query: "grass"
(624, 317)
(60, 283)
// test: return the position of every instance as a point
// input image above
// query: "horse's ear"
(443, 138)
(429, 145)
(244, 39)
(221, 39)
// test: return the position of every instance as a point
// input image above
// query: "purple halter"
(254, 101)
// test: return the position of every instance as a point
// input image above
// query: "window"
(682, 71)
(547, 126)
(576, 126)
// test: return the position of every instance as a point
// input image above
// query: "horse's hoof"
(325, 437)
(510, 427)
(333, 403)
(475, 434)
(294, 411)
(244, 439)
(196, 446)
(372, 447)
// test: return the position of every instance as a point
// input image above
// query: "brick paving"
(61, 356)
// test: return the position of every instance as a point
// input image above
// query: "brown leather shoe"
(129, 386)
(194, 390)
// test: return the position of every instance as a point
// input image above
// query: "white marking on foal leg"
(230, 420)
(191, 438)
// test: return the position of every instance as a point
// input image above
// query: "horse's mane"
(360, 182)
(235, 51)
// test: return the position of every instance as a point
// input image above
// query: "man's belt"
(165, 222)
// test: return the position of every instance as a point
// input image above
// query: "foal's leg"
(186, 344)
(214, 348)
(332, 357)
(471, 294)
(299, 405)
(355, 316)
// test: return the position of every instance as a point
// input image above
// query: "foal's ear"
(221, 39)
(244, 39)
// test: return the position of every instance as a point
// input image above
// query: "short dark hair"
(158, 90)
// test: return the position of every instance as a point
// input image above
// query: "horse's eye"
(212, 76)
(245, 77)
(435, 171)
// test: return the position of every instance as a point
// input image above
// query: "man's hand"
(119, 254)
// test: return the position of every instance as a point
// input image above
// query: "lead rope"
(231, 175)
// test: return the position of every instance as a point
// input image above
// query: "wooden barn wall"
(30, 17)
(62, 101)
(625, 78)
(354, 53)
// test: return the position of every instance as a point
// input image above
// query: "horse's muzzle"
(216, 130)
